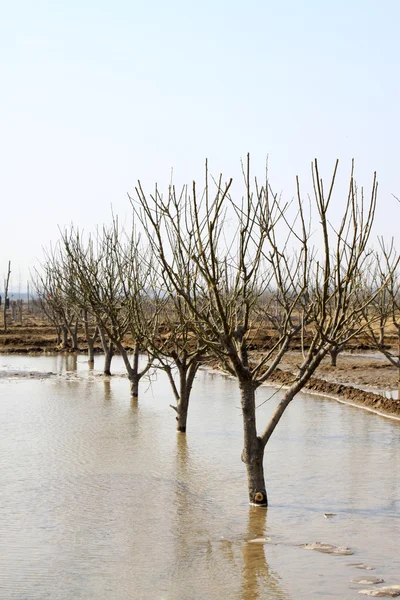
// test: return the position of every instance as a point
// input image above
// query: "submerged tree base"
(259, 499)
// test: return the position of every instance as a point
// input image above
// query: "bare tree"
(6, 284)
(241, 252)
(182, 351)
(88, 280)
(382, 315)
(99, 280)
(43, 305)
(165, 327)
(160, 321)
(56, 291)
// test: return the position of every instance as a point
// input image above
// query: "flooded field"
(100, 499)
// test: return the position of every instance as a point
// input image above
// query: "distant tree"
(382, 315)
(91, 332)
(99, 283)
(55, 290)
(6, 284)
(334, 353)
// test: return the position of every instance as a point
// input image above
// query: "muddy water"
(100, 499)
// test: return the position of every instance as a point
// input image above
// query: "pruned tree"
(55, 293)
(87, 260)
(100, 284)
(382, 315)
(179, 351)
(164, 325)
(240, 252)
(158, 321)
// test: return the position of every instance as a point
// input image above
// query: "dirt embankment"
(347, 393)
(32, 335)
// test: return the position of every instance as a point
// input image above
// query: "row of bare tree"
(201, 275)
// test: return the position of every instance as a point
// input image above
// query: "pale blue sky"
(95, 95)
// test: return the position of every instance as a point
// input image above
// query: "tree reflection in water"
(204, 561)
(107, 390)
(258, 578)
(71, 362)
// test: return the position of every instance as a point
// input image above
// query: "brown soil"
(368, 370)
(32, 335)
(346, 393)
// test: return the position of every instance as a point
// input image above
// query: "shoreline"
(346, 394)
(365, 400)
(363, 407)
(332, 383)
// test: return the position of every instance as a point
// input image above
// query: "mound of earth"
(342, 392)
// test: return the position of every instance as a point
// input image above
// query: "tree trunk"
(334, 354)
(187, 373)
(134, 379)
(134, 373)
(253, 451)
(89, 339)
(64, 336)
(73, 332)
(132, 369)
(108, 349)
(182, 412)
(90, 344)
(255, 478)
(381, 334)
(108, 356)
